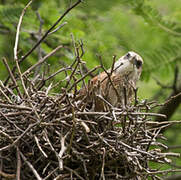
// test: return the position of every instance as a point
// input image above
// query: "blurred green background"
(107, 28)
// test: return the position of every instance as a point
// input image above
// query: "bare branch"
(18, 30)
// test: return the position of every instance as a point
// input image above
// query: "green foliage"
(110, 29)
(9, 15)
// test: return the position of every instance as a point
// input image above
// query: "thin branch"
(74, 172)
(42, 60)
(7, 176)
(44, 36)
(122, 113)
(18, 169)
(102, 177)
(18, 30)
(49, 30)
(59, 71)
(31, 167)
(20, 107)
(59, 27)
(40, 148)
(12, 76)
(109, 74)
(83, 77)
(16, 141)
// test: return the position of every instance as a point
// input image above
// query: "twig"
(7, 176)
(18, 30)
(74, 172)
(31, 167)
(62, 151)
(85, 126)
(7, 98)
(8, 90)
(50, 173)
(18, 169)
(83, 77)
(59, 27)
(72, 131)
(164, 171)
(53, 149)
(102, 177)
(109, 104)
(73, 72)
(170, 99)
(49, 30)
(16, 141)
(135, 149)
(12, 76)
(59, 71)
(38, 144)
(169, 154)
(10, 122)
(121, 113)
(25, 90)
(39, 47)
(20, 107)
(109, 77)
(6, 135)
(42, 60)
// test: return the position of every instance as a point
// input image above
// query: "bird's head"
(134, 59)
(129, 63)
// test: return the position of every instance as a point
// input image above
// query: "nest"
(56, 136)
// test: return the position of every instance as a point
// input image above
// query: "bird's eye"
(138, 64)
(128, 55)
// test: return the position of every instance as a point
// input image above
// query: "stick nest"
(56, 136)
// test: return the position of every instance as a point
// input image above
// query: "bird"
(114, 87)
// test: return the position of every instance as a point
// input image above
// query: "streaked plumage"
(126, 73)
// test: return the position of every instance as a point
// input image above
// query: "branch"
(49, 30)
(42, 60)
(171, 105)
(44, 36)
(174, 177)
(18, 30)
(12, 77)
(31, 167)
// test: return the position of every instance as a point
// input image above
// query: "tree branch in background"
(174, 177)
(171, 105)
(173, 101)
